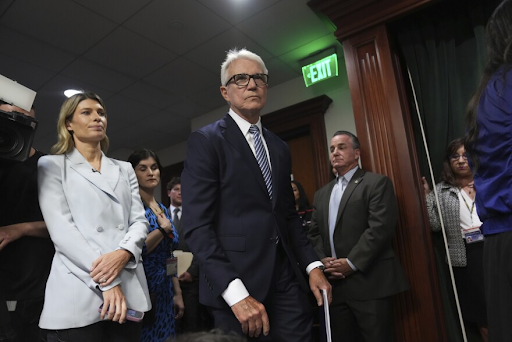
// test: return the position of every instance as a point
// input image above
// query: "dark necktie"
(176, 218)
(261, 157)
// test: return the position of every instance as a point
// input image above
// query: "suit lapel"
(354, 182)
(109, 172)
(235, 137)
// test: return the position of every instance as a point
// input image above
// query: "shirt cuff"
(351, 265)
(235, 292)
(313, 265)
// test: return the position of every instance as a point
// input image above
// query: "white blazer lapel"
(110, 172)
(101, 180)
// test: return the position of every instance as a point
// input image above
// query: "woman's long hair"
(499, 55)
(65, 142)
(303, 198)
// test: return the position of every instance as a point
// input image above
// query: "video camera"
(17, 130)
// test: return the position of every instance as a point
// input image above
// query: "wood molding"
(354, 16)
(385, 131)
(305, 118)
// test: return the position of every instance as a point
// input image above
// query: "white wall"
(339, 115)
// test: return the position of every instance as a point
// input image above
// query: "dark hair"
(499, 55)
(173, 182)
(353, 139)
(143, 154)
(214, 335)
(303, 198)
(447, 174)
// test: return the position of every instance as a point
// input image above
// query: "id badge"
(172, 266)
(473, 236)
(11, 305)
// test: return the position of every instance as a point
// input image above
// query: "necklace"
(157, 211)
(470, 188)
(467, 206)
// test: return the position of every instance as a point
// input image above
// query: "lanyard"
(466, 203)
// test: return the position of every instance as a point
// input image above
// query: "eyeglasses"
(242, 80)
(457, 156)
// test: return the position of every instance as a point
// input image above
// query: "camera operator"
(26, 251)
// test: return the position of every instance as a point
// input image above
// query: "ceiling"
(155, 63)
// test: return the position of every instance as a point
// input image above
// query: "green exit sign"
(320, 70)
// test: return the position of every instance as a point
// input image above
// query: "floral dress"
(159, 283)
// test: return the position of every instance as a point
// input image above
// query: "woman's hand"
(425, 185)
(115, 303)
(164, 223)
(179, 306)
(108, 266)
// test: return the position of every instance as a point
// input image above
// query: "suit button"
(120, 227)
(99, 229)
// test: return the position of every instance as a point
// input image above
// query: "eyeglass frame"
(464, 156)
(250, 76)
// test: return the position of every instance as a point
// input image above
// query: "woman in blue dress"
(159, 264)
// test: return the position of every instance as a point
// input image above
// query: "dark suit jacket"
(229, 222)
(365, 226)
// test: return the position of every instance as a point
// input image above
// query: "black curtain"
(444, 49)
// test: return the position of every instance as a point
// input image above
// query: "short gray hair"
(353, 139)
(235, 54)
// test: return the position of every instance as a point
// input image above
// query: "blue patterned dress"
(160, 283)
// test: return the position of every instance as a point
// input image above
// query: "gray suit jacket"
(450, 209)
(89, 214)
(365, 226)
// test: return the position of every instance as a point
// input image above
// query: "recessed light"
(71, 92)
(176, 25)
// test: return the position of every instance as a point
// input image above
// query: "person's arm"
(179, 305)
(433, 214)
(200, 183)
(13, 232)
(157, 235)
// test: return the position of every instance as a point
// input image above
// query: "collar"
(348, 176)
(242, 123)
(172, 207)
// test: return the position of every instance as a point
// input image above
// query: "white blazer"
(88, 214)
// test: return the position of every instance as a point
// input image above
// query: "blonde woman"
(92, 208)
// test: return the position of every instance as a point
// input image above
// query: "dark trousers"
(498, 285)
(357, 321)
(106, 331)
(287, 307)
(196, 316)
(24, 322)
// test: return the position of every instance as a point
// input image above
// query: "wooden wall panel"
(387, 149)
(306, 117)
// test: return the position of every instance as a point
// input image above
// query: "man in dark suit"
(239, 217)
(351, 229)
(195, 315)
